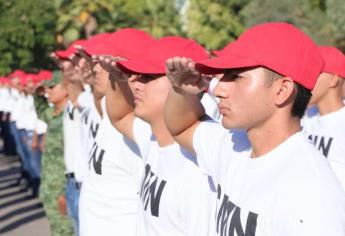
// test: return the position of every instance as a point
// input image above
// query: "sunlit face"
(150, 93)
(57, 93)
(100, 82)
(245, 100)
(321, 88)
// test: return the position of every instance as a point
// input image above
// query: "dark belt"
(69, 175)
(78, 185)
(72, 176)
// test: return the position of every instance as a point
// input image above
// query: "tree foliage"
(31, 29)
(323, 20)
(214, 23)
(26, 34)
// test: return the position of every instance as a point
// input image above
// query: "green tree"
(214, 23)
(27, 34)
(323, 20)
(80, 18)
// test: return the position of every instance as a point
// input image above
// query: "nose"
(219, 90)
(134, 82)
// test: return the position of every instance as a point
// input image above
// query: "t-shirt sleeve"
(207, 140)
(142, 136)
(84, 100)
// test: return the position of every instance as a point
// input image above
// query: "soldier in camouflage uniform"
(53, 179)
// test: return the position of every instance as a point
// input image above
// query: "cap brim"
(64, 54)
(141, 67)
(219, 64)
(96, 50)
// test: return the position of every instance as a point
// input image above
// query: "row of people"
(160, 139)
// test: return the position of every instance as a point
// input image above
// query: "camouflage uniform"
(53, 178)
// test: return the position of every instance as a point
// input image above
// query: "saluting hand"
(109, 63)
(182, 74)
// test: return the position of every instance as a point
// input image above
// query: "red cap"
(16, 74)
(97, 45)
(45, 75)
(278, 46)
(24, 80)
(156, 56)
(64, 54)
(128, 43)
(334, 60)
(30, 77)
(223, 51)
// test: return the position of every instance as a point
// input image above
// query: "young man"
(109, 197)
(73, 152)
(327, 131)
(284, 187)
(170, 171)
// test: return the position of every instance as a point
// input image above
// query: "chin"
(227, 124)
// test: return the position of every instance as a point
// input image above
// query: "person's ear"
(334, 81)
(283, 90)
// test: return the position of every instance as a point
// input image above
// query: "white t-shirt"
(327, 133)
(16, 107)
(41, 127)
(289, 191)
(4, 96)
(73, 154)
(28, 118)
(210, 101)
(176, 197)
(90, 122)
(109, 196)
(309, 114)
(85, 99)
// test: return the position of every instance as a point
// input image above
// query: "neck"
(271, 134)
(60, 105)
(98, 101)
(330, 103)
(74, 89)
(161, 132)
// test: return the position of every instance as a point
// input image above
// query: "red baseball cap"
(334, 60)
(16, 74)
(24, 80)
(64, 54)
(153, 62)
(45, 75)
(223, 51)
(96, 45)
(128, 43)
(278, 46)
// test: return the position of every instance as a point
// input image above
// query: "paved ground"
(19, 216)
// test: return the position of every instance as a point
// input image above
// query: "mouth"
(223, 110)
(137, 99)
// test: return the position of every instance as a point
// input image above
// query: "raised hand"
(109, 63)
(182, 74)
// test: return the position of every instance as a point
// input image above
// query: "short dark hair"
(302, 98)
(302, 95)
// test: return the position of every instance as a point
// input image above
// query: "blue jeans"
(19, 146)
(72, 197)
(26, 139)
(36, 159)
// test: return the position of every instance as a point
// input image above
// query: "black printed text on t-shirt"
(229, 218)
(151, 191)
(322, 143)
(96, 157)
